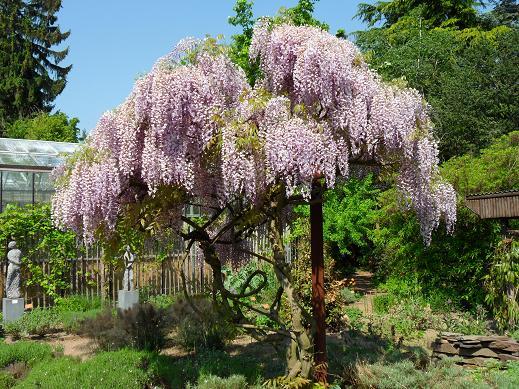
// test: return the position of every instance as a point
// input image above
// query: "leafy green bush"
(78, 303)
(30, 353)
(35, 234)
(215, 382)
(450, 271)
(178, 372)
(204, 329)
(348, 296)
(43, 321)
(142, 327)
(405, 375)
(72, 322)
(39, 321)
(403, 310)
(7, 380)
(160, 300)
(502, 284)
(119, 369)
(442, 375)
(355, 317)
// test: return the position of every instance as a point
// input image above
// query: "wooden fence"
(90, 276)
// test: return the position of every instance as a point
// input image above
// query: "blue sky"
(113, 41)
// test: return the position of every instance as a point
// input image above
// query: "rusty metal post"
(317, 257)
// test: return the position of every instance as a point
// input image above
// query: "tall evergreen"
(30, 74)
(435, 13)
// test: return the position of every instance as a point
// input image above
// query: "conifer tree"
(30, 73)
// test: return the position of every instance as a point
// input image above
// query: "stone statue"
(129, 258)
(12, 282)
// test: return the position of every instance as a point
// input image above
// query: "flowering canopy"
(194, 124)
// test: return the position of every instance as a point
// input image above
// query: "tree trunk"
(300, 351)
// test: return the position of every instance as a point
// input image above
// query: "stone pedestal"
(12, 309)
(127, 299)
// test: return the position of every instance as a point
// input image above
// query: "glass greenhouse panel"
(43, 188)
(25, 167)
(17, 188)
(33, 153)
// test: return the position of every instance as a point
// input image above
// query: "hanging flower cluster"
(193, 123)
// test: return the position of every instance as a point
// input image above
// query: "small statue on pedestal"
(129, 258)
(12, 282)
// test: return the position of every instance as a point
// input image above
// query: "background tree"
(505, 12)
(452, 268)
(57, 127)
(30, 73)
(468, 76)
(432, 13)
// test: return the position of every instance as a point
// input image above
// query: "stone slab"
(505, 345)
(127, 299)
(477, 361)
(470, 341)
(445, 348)
(12, 309)
(468, 346)
(482, 352)
(507, 357)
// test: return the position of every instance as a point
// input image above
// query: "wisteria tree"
(193, 131)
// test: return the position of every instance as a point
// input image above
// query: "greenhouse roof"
(22, 154)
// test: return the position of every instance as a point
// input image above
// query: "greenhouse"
(25, 167)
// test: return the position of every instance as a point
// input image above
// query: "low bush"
(215, 382)
(354, 318)
(443, 374)
(204, 329)
(7, 380)
(72, 322)
(142, 327)
(404, 374)
(348, 296)
(78, 303)
(160, 300)
(119, 369)
(39, 321)
(27, 352)
(179, 372)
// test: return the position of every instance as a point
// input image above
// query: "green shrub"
(348, 296)
(27, 352)
(119, 369)
(39, 321)
(161, 300)
(215, 382)
(73, 321)
(355, 317)
(178, 372)
(6, 380)
(209, 331)
(405, 375)
(502, 284)
(382, 303)
(142, 327)
(78, 303)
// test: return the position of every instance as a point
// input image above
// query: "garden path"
(364, 286)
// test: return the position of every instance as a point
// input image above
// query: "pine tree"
(30, 74)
